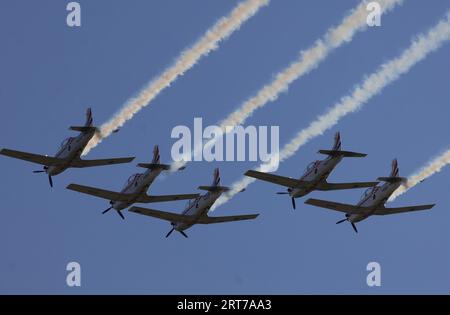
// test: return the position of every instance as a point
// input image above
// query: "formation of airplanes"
(315, 178)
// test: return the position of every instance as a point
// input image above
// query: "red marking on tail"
(337, 141)
(89, 119)
(216, 180)
(155, 154)
(394, 168)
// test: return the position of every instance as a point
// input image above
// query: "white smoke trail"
(371, 86)
(433, 167)
(308, 60)
(188, 58)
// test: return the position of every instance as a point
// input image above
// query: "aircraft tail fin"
(88, 125)
(394, 168)
(216, 178)
(155, 162)
(156, 155)
(215, 185)
(89, 119)
(336, 150)
(393, 177)
(337, 141)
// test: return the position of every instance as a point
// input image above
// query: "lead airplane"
(68, 154)
(196, 211)
(135, 189)
(315, 175)
(372, 201)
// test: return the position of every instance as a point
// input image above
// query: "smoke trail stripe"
(188, 58)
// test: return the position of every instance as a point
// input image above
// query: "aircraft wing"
(337, 186)
(385, 211)
(168, 216)
(276, 179)
(34, 158)
(101, 193)
(89, 163)
(208, 220)
(163, 198)
(342, 207)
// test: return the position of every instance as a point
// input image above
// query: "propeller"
(121, 214)
(354, 227)
(50, 180)
(45, 169)
(288, 192)
(170, 232)
(107, 210)
(347, 219)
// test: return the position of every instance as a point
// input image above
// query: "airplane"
(372, 201)
(68, 154)
(196, 211)
(135, 189)
(315, 175)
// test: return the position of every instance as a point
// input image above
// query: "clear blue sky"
(50, 73)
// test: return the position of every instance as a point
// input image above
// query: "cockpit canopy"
(310, 166)
(190, 202)
(131, 179)
(65, 142)
(367, 192)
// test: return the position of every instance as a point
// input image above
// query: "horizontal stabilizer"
(83, 128)
(214, 188)
(154, 166)
(392, 179)
(342, 153)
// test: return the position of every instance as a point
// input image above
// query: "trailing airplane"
(315, 175)
(372, 201)
(135, 189)
(196, 211)
(68, 154)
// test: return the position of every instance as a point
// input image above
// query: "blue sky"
(50, 73)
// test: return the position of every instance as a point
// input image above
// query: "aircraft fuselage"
(137, 186)
(70, 151)
(316, 172)
(196, 208)
(374, 198)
